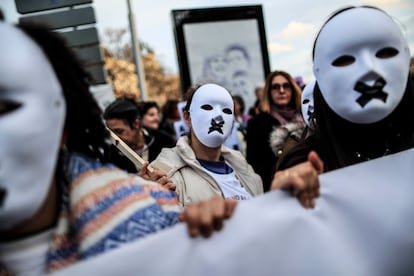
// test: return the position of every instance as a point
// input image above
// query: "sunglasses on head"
(277, 86)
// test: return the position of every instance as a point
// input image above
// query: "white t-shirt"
(230, 185)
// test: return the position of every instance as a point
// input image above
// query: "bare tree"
(117, 43)
(121, 70)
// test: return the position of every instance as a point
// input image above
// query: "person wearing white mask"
(308, 108)
(201, 166)
(60, 202)
(363, 95)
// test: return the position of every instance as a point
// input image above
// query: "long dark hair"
(84, 125)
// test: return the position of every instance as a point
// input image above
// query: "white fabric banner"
(363, 224)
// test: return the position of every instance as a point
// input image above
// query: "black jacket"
(258, 151)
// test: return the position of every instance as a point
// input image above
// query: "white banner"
(363, 224)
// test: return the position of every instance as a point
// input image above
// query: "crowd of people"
(67, 194)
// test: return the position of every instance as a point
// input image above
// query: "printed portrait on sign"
(226, 46)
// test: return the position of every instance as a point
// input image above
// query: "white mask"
(212, 114)
(307, 101)
(32, 114)
(361, 64)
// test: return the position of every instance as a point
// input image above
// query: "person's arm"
(302, 180)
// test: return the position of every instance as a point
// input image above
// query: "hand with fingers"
(157, 176)
(302, 180)
(205, 217)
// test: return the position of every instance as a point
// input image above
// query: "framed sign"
(224, 45)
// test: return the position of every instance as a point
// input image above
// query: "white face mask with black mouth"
(212, 114)
(361, 64)
(307, 102)
(32, 115)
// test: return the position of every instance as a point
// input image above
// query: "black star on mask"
(371, 92)
(216, 125)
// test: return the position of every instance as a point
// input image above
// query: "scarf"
(286, 114)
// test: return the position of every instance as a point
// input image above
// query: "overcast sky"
(290, 25)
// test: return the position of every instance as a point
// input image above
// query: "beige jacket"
(193, 183)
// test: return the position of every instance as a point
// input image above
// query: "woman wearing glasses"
(279, 107)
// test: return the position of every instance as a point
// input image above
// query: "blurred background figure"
(239, 111)
(170, 115)
(180, 126)
(280, 105)
(150, 114)
(241, 120)
(254, 110)
(300, 82)
(308, 106)
(122, 116)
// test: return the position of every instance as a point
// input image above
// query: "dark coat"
(258, 151)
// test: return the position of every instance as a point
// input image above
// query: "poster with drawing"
(226, 46)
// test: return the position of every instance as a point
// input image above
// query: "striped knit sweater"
(105, 207)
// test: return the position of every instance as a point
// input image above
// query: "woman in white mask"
(59, 202)
(363, 96)
(201, 167)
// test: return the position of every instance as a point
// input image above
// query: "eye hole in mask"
(7, 106)
(206, 107)
(227, 111)
(343, 61)
(387, 52)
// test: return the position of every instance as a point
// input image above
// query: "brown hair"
(189, 95)
(266, 99)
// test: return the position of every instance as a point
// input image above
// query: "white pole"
(136, 50)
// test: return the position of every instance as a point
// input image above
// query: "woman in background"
(150, 114)
(279, 106)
